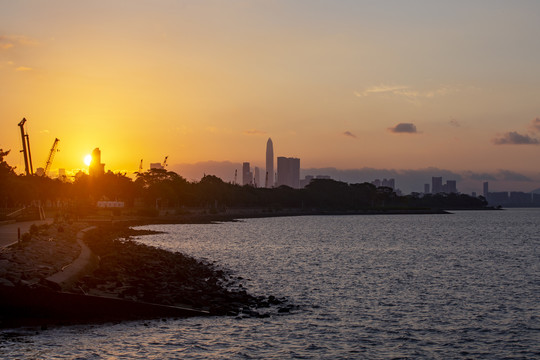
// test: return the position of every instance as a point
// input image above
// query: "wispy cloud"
(515, 138)
(11, 41)
(382, 89)
(404, 91)
(254, 132)
(403, 128)
(479, 176)
(23, 68)
(508, 175)
(349, 134)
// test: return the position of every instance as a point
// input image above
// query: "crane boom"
(50, 159)
(165, 161)
(140, 167)
(26, 149)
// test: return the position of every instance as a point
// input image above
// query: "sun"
(88, 159)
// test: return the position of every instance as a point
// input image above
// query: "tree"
(5, 169)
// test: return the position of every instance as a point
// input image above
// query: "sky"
(397, 86)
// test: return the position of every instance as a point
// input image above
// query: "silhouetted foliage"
(159, 188)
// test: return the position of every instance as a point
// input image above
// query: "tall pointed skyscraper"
(269, 177)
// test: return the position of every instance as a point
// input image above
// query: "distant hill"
(536, 191)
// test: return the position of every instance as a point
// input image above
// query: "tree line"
(166, 189)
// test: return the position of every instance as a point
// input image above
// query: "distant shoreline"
(232, 215)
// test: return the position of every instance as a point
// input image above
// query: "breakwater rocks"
(132, 271)
(41, 252)
(129, 281)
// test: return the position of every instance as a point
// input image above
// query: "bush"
(34, 229)
(26, 237)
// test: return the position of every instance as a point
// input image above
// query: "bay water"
(463, 285)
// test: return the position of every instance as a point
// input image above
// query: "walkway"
(8, 232)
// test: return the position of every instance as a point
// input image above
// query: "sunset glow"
(87, 160)
(347, 85)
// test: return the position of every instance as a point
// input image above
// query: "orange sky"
(327, 80)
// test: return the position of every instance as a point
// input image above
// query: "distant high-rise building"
(376, 182)
(269, 176)
(391, 183)
(247, 175)
(426, 188)
(257, 177)
(436, 185)
(486, 189)
(156, 166)
(288, 172)
(450, 187)
(96, 168)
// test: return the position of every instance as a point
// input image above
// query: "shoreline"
(122, 280)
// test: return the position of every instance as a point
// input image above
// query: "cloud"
(508, 175)
(5, 46)
(479, 176)
(401, 128)
(5, 42)
(254, 132)
(382, 89)
(10, 41)
(349, 134)
(405, 91)
(535, 124)
(454, 123)
(23, 68)
(514, 138)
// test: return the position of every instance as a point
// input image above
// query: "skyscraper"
(288, 172)
(269, 176)
(436, 185)
(451, 187)
(247, 175)
(96, 168)
(256, 177)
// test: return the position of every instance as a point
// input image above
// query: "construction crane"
(165, 161)
(50, 159)
(140, 167)
(26, 149)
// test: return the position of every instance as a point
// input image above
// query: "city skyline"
(398, 88)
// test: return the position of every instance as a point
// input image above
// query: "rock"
(6, 282)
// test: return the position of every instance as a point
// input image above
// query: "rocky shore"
(129, 280)
(133, 271)
(42, 252)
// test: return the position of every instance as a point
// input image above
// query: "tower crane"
(50, 159)
(26, 149)
(140, 167)
(165, 161)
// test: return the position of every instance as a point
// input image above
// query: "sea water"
(464, 285)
